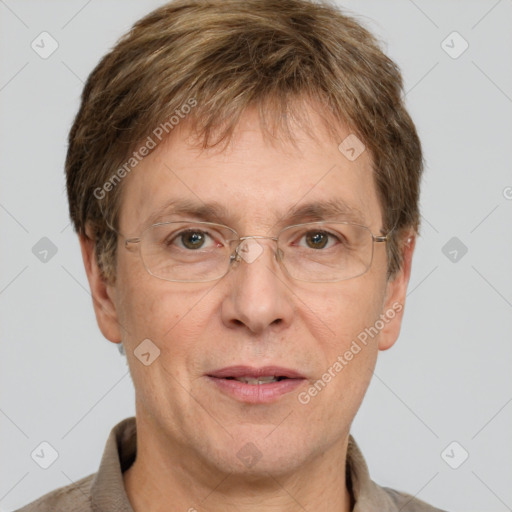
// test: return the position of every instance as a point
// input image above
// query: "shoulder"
(74, 497)
(407, 503)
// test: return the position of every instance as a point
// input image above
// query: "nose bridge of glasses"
(249, 249)
(242, 238)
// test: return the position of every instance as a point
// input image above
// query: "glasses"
(192, 251)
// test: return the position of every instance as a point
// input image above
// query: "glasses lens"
(186, 251)
(325, 251)
(201, 251)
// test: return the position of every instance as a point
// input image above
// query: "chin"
(255, 455)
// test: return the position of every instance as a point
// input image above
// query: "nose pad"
(249, 250)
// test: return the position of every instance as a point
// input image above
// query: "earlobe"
(101, 292)
(396, 291)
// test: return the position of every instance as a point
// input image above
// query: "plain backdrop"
(447, 379)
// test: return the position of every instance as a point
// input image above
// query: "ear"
(102, 293)
(396, 291)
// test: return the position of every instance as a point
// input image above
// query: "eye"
(192, 239)
(319, 239)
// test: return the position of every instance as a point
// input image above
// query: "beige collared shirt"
(104, 491)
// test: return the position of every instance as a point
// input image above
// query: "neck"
(165, 475)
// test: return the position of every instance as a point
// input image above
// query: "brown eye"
(192, 239)
(317, 239)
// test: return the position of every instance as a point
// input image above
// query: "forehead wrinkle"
(329, 209)
(213, 211)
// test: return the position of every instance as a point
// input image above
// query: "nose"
(258, 294)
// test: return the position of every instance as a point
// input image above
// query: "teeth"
(259, 380)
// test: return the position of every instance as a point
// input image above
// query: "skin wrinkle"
(188, 432)
(190, 50)
(247, 103)
(215, 212)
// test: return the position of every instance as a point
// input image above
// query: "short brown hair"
(227, 56)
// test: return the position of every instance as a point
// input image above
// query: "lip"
(256, 393)
(254, 373)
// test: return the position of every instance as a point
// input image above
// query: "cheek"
(347, 363)
(174, 323)
(350, 347)
(170, 315)
(347, 310)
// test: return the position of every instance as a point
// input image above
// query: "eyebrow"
(330, 209)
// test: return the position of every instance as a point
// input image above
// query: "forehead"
(252, 183)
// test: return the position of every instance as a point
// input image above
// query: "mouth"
(257, 380)
(256, 385)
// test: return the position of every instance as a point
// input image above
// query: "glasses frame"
(235, 255)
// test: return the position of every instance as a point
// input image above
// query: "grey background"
(447, 378)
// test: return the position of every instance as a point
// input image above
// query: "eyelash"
(180, 234)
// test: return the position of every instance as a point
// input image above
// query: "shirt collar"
(368, 496)
(107, 488)
(108, 491)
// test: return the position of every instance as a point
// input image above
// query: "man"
(244, 180)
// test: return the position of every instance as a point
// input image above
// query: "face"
(256, 315)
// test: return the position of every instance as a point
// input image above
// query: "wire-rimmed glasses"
(197, 251)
